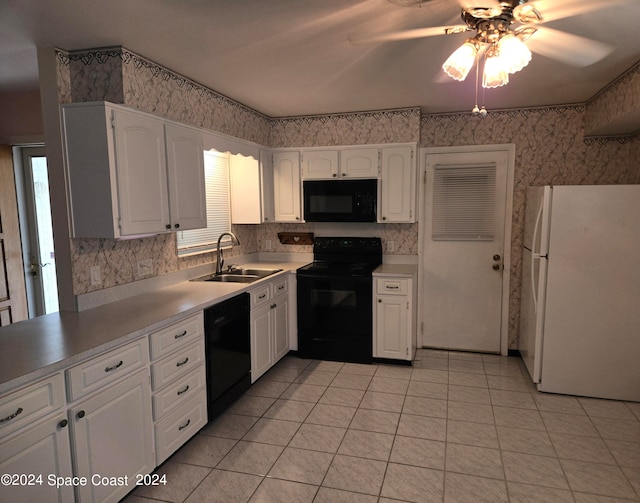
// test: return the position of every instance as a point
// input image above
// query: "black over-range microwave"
(340, 200)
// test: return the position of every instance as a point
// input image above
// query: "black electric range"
(335, 306)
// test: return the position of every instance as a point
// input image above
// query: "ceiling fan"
(503, 34)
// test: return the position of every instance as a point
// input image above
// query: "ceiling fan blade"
(572, 49)
(407, 34)
(551, 10)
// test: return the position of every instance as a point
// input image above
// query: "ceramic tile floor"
(455, 427)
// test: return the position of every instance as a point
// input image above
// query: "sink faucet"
(219, 256)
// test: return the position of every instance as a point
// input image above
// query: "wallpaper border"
(103, 54)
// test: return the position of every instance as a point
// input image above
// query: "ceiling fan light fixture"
(459, 64)
(515, 55)
(495, 72)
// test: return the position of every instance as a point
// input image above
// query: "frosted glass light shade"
(514, 53)
(460, 62)
(495, 74)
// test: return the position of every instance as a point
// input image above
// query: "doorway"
(32, 187)
(466, 239)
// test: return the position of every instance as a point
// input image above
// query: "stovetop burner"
(344, 256)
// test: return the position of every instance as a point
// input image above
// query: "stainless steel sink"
(238, 275)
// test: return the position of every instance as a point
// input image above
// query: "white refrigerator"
(580, 310)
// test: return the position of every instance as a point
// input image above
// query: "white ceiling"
(294, 57)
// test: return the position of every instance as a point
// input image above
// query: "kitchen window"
(216, 173)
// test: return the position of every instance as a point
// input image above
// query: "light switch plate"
(96, 277)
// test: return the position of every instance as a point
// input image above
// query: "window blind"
(216, 173)
(464, 203)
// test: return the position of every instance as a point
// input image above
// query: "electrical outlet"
(145, 267)
(267, 244)
(391, 246)
(96, 276)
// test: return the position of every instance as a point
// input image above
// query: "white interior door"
(464, 249)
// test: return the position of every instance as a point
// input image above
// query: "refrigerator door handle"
(535, 256)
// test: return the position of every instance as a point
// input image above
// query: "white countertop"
(34, 348)
(396, 270)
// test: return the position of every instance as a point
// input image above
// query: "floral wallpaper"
(550, 148)
(619, 98)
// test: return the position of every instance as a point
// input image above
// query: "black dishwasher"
(228, 348)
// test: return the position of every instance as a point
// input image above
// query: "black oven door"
(335, 318)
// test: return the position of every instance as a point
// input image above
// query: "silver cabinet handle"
(180, 428)
(182, 391)
(12, 416)
(180, 364)
(182, 334)
(117, 365)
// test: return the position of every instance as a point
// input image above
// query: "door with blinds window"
(465, 203)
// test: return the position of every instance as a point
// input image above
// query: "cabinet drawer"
(177, 364)
(30, 403)
(180, 425)
(172, 337)
(392, 286)
(260, 295)
(279, 286)
(179, 392)
(104, 369)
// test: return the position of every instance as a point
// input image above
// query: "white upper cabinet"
(319, 164)
(359, 162)
(131, 173)
(326, 164)
(185, 165)
(251, 187)
(286, 186)
(246, 194)
(397, 185)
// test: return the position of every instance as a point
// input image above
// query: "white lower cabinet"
(112, 438)
(178, 374)
(269, 325)
(36, 457)
(394, 326)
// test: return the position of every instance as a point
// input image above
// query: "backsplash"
(550, 148)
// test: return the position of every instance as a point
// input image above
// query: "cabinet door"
(266, 185)
(397, 185)
(141, 174)
(359, 163)
(113, 437)
(245, 192)
(280, 325)
(261, 343)
(286, 190)
(319, 164)
(42, 449)
(392, 327)
(185, 168)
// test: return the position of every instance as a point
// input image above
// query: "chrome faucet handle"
(231, 267)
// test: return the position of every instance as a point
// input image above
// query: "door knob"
(496, 257)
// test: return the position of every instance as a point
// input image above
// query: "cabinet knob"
(63, 423)
(384, 218)
(380, 301)
(297, 218)
(344, 174)
(168, 227)
(177, 226)
(80, 414)
(334, 175)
